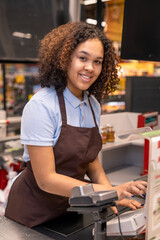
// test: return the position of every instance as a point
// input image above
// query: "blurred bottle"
(110, 133)
(104, 134)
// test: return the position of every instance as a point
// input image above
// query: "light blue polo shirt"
(41, 119)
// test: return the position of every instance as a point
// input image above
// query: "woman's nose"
(89, 66)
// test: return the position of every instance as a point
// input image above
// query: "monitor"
(141, 32)
(24, 23)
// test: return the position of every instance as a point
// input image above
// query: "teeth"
(85, 76)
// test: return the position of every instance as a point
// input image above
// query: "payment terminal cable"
(119, 222)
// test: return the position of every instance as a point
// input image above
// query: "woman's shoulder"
(45, 94)
(44, 100)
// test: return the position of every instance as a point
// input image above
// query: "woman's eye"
(83, 58)
(98, 62)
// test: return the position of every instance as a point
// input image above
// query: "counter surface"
(11, 230)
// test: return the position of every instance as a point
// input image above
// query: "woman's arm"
(44, 169)
(97, 175)
(43, 166)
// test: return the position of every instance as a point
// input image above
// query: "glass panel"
(1, 88)
(20, 81)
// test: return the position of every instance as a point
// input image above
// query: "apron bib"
(75, 149)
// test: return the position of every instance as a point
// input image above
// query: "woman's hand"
(131, 188)
(133, 204)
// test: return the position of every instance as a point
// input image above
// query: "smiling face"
(85, 67)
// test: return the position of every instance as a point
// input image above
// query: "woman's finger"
(114, 209)
(141, 185)
(133, 204)
(130, 188)
(137, 189)
(125, 194)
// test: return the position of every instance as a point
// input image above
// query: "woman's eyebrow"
(84, 52)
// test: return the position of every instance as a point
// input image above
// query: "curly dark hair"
(55, 55)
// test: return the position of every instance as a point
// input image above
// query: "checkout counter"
(73, 226)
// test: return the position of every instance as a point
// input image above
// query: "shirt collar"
(73, 100)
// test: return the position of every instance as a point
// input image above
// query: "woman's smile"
(85, 78)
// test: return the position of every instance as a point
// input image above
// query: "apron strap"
(62, 108)
(28, 165)
(92, 112)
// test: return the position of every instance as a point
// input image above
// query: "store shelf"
(10, 138)
(14, 119)
(117, 144)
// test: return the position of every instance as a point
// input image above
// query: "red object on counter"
(3, 178)
(16, 167)
(4, 173)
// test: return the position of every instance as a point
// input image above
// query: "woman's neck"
(78, 94)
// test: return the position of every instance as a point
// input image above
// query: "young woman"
(60, 125)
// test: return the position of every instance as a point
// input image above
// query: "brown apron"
(75, 149)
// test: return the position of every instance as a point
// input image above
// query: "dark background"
(33, 17)
(141, 30)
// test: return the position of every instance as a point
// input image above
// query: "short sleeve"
(37, 124)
